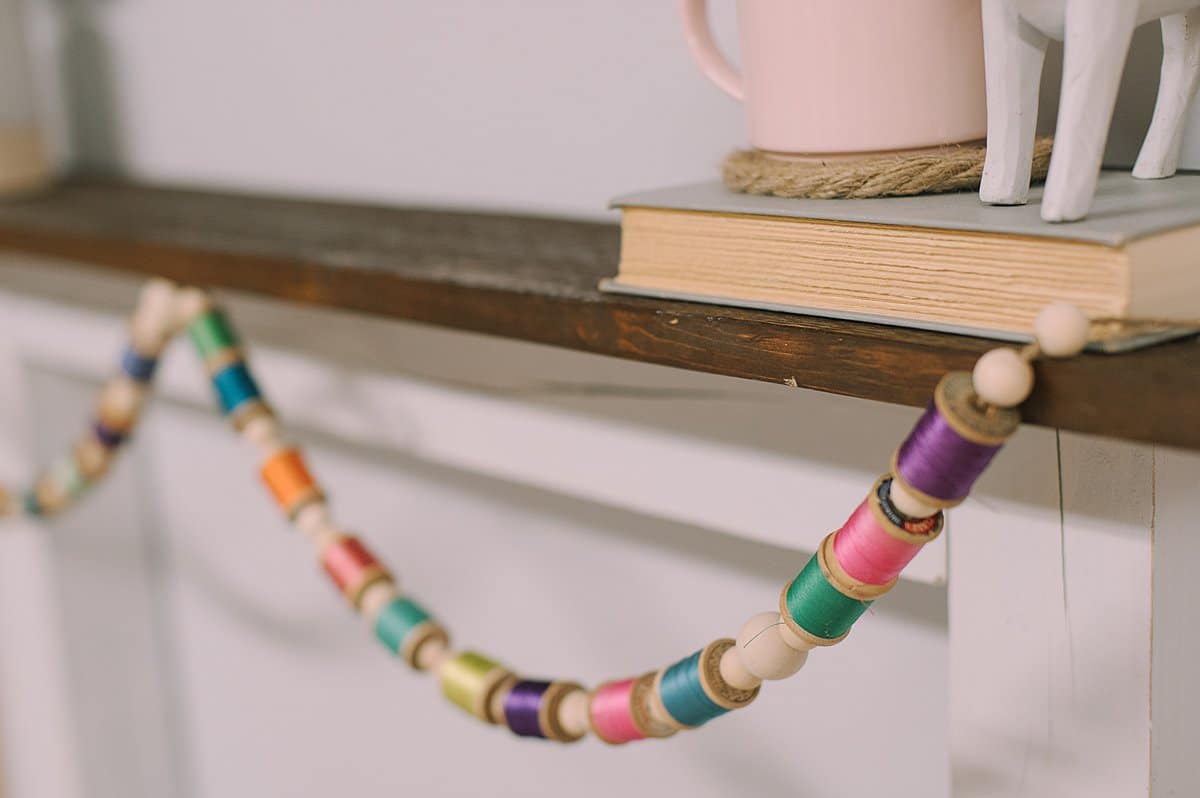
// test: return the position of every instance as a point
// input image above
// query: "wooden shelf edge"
(257, 245)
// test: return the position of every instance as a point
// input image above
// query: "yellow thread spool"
(470, 680)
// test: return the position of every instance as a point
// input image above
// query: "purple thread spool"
(952, 443)
(522, 708)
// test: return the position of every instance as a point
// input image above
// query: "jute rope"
(956, 168)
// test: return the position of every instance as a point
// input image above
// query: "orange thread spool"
(352, 567)
(286, 475)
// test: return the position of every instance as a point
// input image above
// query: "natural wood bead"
(153, 322)
(93, 457)
(495, 710)
(1062, 329)
(430, 655)
(573, 714)
(763, 650)
(904, 501)
(120, 403)
(315, 523)
(795, 641)
(734, 671)
(190, 304)
(265, 433)
(1002, 378)
(374, 598)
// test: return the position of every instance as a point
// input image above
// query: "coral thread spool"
(952, 443)
(693, 690)
(404, 627)
(610, 712)
(471, 681)
(872, 548)
(352, 567)
(288, 479)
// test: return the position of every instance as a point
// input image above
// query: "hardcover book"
(940, 261)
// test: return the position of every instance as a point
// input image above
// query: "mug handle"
(704, 49)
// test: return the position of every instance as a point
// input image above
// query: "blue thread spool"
(108, 437)
(693, 692)
(235, 386)
(138, 366)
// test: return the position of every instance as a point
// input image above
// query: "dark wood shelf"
(535, 279)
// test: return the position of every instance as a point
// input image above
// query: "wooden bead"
(573, 714)
(190, 304)
(795, 641)
(374, 598)
(734, 671)
(315, 523)
(430, 655)
(904, 501)
(153, 322)
(1062, 329)
(1002, 378)
(763, 651)
(264, 432)
(120, 403)
(93, 457)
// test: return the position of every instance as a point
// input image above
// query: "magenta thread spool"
(952, 443)
(872, 547)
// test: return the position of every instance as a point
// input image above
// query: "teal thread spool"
(404, 626)
(693, 692)
(235, 386)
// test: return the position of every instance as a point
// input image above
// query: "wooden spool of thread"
(821, 604)
(211, 333)
(532, 709)
(404, 627)
(138, 366)
(472, 681)
(610, 712)
(352, 567)
(877, 541)
(693, 691)
(287, 477)
(952, 443)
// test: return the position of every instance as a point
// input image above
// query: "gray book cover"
(1124, 209)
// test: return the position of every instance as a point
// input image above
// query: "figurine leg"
(1176, 89)
(1013, 55)
(1098, 33)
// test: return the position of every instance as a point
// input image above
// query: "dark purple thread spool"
(522, 708)
(952, 443)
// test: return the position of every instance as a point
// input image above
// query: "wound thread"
(610, 711)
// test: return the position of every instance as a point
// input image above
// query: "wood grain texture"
(535, 279)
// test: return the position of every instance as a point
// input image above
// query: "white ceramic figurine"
(1097, 34)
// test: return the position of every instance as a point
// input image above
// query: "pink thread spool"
(611, 713)
(873, 549)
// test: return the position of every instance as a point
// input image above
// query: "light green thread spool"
(470, 680)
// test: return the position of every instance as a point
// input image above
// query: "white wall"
(528, 104)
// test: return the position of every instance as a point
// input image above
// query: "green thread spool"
(818, 611)
(471, 681)
(211, 333)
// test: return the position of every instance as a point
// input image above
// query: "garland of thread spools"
(962, 429)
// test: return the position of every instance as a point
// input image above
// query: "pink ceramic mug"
(840, 77)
